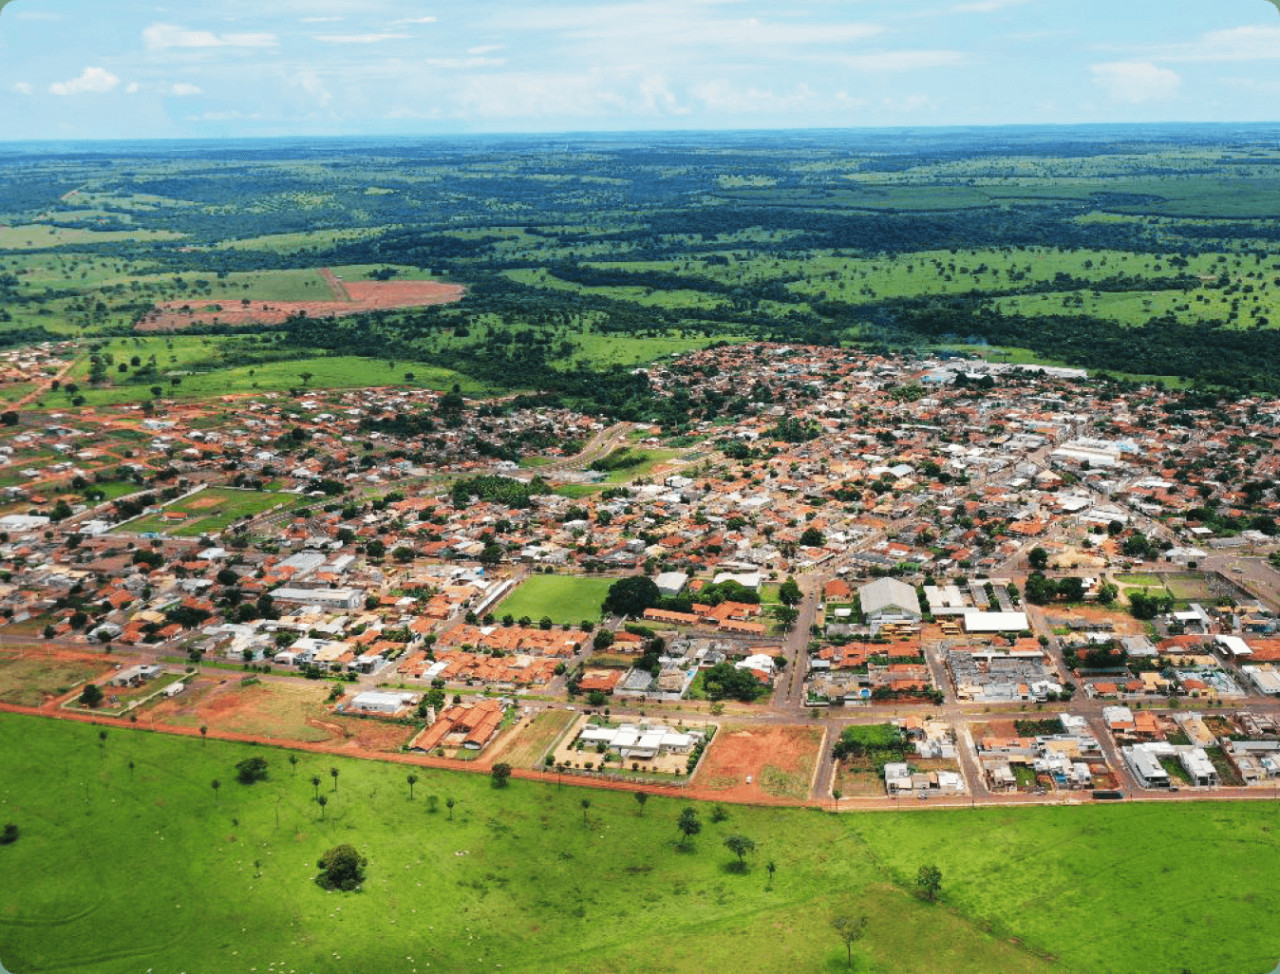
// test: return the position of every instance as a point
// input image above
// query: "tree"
(641, 798)
(91, 695)
(250, 770)
(586, 806)
(771, 867)
(215, 784)
(812, 538)
(449, 803)
(789, 593)
(342, 868)
(740, 845)
(333, 773)
(10, 834)
(631, 596)
(315, 783)
(1038, 559)
(306, 377)
(9, 417)
(322, 801)
(293, 762)
(204, 732)
(850, 930)
(786, 616)
(689, 826)
(929, 882)
(412, 780)
(500, 774)
(102, 738)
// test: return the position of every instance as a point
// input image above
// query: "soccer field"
(207, 512)
(567, 600)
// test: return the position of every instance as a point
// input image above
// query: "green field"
(565, 599)
(208, 512)
(121, 870)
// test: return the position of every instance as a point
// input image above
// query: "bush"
(342, 868)
(250, 770)
(10, 834)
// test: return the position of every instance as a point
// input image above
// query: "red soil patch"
(363, 296)
(742, 752)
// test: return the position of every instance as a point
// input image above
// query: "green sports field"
(565, 599)
(127, 870)
(208, 512)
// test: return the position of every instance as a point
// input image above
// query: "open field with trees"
(1019, 890)
(1155, 261)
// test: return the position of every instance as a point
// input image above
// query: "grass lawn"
(208, 512)
(567, 599)
(121, 870)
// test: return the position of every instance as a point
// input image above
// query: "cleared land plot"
(32, 680)
(345, 298)
(778, 760)
(207, 512)
(525, 746)
(565, 599)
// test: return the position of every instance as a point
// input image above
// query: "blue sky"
(179, 68)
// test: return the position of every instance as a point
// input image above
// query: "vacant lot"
(565, 599)
(525, 744)
(207, 512)
(28, 681)
(779, 761)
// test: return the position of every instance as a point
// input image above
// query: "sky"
(129, 69)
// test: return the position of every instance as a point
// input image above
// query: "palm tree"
(449, 803)
(102, 738)
(315, 780)
(772, 868)
(293, 760)
(413, 780)
(204, 732)
(586, 804)
(333, 773)
(323, 800)
(216, 784)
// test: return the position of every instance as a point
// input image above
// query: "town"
(883, 580)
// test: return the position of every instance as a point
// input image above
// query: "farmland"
(564, 599)
(1020, 891)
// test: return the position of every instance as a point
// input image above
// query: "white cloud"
(888, 61)
(321, 20)
(414, 20)
(723, 98)
(1136, 82)
(92, 81)
(1237, 44)
(159, 37)
(464, 62)
(358, 38)
(24, 88)
(985, 6)
(310, 82)
(133, 88)
(485, 49)
(184, 90)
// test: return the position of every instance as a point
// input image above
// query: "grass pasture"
(28, 681)
(208, 512)
(566, 599)
(222, 880)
